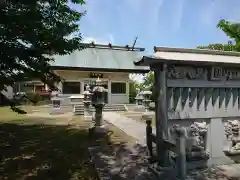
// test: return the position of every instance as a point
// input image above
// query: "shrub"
(33, 98)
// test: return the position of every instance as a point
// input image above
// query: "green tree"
(232, 30)
(148, 83)
(221, 47)
(148, 80)
(132, 91)
(31, 32)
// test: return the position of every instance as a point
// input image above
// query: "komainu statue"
(232, 133)
(196, 138)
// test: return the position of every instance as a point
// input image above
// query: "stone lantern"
(98, 102)
(87, 102)
(146, 99)
(139, 97)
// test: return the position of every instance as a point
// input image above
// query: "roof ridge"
(112, 47)
(196, 51)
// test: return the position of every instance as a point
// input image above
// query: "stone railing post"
(181, 153)
(149, 137)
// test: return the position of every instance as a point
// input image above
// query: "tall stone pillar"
(109, 92)
(161, 111)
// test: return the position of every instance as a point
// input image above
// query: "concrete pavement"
(131, 127)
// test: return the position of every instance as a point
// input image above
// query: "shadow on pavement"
(110, 156)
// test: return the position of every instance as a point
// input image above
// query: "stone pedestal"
(87, 110)
(148, 115)
(77, 101)
(98, 115)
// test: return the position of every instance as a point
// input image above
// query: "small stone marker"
(56, 105)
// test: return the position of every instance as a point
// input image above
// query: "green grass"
(42, 151)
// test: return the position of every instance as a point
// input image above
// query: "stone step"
(79, 109)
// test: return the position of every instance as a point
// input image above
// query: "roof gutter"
(100, 69)
(151, 60)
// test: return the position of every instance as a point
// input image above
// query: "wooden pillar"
(161, 112)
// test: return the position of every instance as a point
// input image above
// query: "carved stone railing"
(187, 145)
(178, 147)
(196, 140)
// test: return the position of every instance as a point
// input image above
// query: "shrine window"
(118, 88)
(71, 88)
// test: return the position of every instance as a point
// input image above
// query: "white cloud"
(178, 15)
(137, 77)
(207, 14)
(153, 16)
(164, 16)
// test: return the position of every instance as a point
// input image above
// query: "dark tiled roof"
(101, 58)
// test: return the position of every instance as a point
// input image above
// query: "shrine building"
(111, 64)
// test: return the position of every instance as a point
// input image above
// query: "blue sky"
(174, 23)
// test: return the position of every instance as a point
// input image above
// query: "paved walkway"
(131, 127)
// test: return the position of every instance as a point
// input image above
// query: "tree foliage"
(31, 31)
(232, 30)
(132, 90)
(148, 81)
(220, 47)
